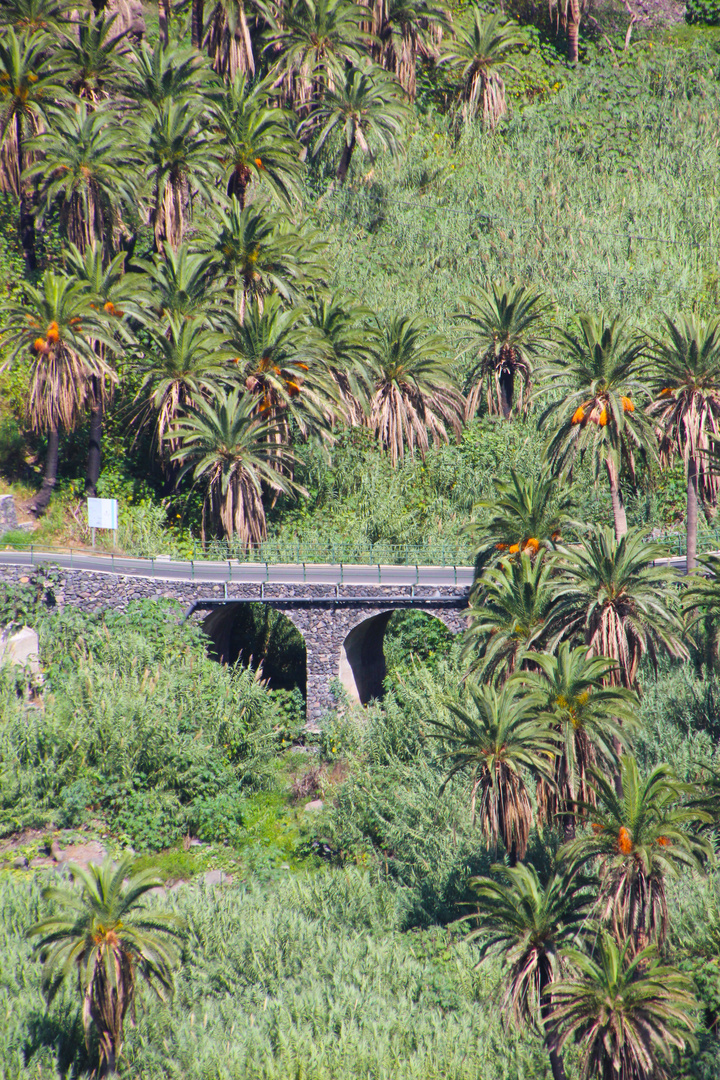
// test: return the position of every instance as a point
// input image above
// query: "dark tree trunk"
(512, 854)
(238, 184)
(551, 1040)
(95, 449)
(568, 823)
(164, 22)
(692, 515)
(573, 30)
(342, 169)
(197, 23)
(507, 387)
(619, 516)
(27, 217)
(42, 499)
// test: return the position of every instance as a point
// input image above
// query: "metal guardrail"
(227, 571)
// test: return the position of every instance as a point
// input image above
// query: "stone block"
(20, 647)
(8, 514)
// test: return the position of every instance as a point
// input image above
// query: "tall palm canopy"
(492, 738)
(105, 937)
(225, 445)
(593, 718)
(611, 595)
(509, 616)
(598, 413)
(365, 107)
(637, 840)
(528, 923)
(413, 397)
(257, 147)
(477, 54)
(629, 1014)
(687, 408)
(525, 514)
(504, 328)
(85, 171)
(404, 30)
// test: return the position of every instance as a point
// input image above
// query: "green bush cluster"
(138, 728)
(705, 12)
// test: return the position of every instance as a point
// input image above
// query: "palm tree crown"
(492, 737)
(629, 1013)
(103, 934)
(611, 594)
(637, 839)
(599, 381)
(413, 396)
(687, 407)
(504, 329)
(526, 514)
(224, 443)
(478, 52)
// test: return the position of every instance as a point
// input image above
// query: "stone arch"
(256, 631)
(362, 665)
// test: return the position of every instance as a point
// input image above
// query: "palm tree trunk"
(573, 30)
(27, 218)
(197, 23)
(40, 504)
(94, 463)
(550, 1038)
(692, 514)
(619, 516)
(164, 22)
(344, 165)
(506, 385)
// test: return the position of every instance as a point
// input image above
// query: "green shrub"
(705, 12)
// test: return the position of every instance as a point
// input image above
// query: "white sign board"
(102, 513)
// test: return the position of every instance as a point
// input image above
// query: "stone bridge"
(341, 611)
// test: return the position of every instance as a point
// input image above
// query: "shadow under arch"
(364, 658)
(257, 634)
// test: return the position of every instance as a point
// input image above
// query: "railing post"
(304, 574)
(379, 574)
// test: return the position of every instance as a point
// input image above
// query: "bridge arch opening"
(383, 643)
(257, 635)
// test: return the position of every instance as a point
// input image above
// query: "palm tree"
(477, 54)
(280, 364)
(261, 253)
(183, 361)
(526, 514)
(493, 738)
(222, 441)
(505, 332)
(629, 1013)
(637, 840)
(28, 82)
(366, 107)
(346, 339)
(528, 924)
(611, 596)
(92, 57)
(113, 292)
(175, 284)
(595, 413)
(84, 170)
(404, 30)
(180, 158)
(687, 385)
(413, 397)
(592, 717)
(228, 41)
(258, 144)
(30, 16)
(509, 616)
(105, 937)
(58, 325)
(313, 39)
(164, 74)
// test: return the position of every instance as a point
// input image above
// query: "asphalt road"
(247, 573)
